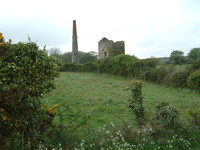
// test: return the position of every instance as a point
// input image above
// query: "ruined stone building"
(108, 48)
(75, 57)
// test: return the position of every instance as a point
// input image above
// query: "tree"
(194, 54)
(55, 52)
(83, 57)
(177, 57)
(87, 57)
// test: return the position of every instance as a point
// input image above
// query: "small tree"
(194, 54)
(56, 52)
(177, 57)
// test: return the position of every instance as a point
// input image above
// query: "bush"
(141, 68)
(119, 64)
(194, 54)
(103, 65)
(136, 101)
(195, 65)
(26, 74)
(193, 81)
(195, 118)
(166, 115)
(179, 79)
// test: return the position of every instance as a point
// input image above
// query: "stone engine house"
(108, 48)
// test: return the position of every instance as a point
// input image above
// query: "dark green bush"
(134, 68)
(119, 64)
(195, 118)
(157, 75)
(179, 79)
(103, 65)
(141, 68)
(193, 80)
(195, 65)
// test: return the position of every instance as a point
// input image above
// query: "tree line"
(84, 57)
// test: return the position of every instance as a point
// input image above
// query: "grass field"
(109, 97)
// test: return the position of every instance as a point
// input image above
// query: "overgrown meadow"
(103, 100)
(117, 103)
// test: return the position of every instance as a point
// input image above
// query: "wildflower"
(107, 131)
(112, 124)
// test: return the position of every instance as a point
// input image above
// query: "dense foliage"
(193, 80)
(194, 54)
(26, 74)
(84, 57)
(136, 101)
(177, 57)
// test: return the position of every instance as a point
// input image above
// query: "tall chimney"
(75, 57)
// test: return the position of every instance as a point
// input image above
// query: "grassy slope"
(109, 97)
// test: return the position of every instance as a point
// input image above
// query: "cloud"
(149, 28)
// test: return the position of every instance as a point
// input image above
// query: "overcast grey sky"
(148, 27)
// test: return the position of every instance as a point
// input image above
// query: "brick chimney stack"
(75, 57)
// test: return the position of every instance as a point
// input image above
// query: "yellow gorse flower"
(53, 109)
(1, 35)
(4, 118)
(2, 110)
(55, 106)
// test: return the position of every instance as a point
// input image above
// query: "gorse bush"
(26, 74)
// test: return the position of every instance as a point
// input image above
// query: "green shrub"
(136, 101)
(195, 65)
(193, 81)
(26, 74)
(134, 68)
(195, 118)
(141, 68)
(179, 79)
(119, 64)
(103, 65)
(166, 114)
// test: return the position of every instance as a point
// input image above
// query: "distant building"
(108, 48)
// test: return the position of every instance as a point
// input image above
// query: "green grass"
(109, 99)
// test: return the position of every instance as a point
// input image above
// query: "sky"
(150, 28)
